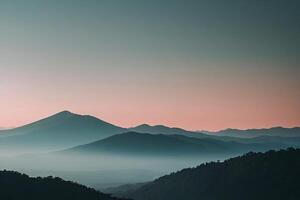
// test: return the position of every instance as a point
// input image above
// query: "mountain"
(284, 136)
(251, 133)
(161, 129)
(142, 144)
(62, 130)
(65, 129)
(271, 175)
(14, 186)
(158, 129)
(290, 141)
(127, 154)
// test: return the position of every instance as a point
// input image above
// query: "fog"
(101, 171)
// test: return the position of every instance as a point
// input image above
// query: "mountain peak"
(65, 112)
(143, 126)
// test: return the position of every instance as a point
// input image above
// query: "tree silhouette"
(272, 175)
(16, 186)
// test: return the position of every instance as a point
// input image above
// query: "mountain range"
(83, 144)
(143, 144)
(251, 133)
(161, 129)
(66, 130)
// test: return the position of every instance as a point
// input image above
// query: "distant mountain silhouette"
(133, 143)
(65, 129)
(284, 136)
(158, 129)
(15, 186)
(62, 130)
(260, 176)
(290, 141)
(251, 133)
(161, 129)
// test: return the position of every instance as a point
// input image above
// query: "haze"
(203, 65)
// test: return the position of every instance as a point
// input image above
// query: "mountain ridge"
(135, 143)
(271, 175)
(66, 129)
(255, 132)
(59, 131)
(15, 185)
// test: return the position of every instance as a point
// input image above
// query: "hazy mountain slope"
(272, 175)
(272, 135)
(133, 151)
(250, 133)
(133, 143)
(290, 141)
(14, 186)
(161, 129)
(66, 129)
(61, 130)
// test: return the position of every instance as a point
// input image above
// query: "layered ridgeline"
(271, 175)
(65, 129)
(161, 129)
(279, 135)
(129, 158)
(156, 145)
(62, 130)
(133, 150)
(251, 133)
(226, 134)
(14, 186)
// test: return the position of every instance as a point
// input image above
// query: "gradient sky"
(202, 64)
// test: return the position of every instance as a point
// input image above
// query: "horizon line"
(3, 128)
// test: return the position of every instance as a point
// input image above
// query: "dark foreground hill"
(272, 175)
(15, 186)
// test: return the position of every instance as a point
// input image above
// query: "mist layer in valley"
(90, 151)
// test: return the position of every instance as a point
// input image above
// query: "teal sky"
(195, 64)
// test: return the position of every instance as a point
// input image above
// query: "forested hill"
(16, 186)
(272, 175)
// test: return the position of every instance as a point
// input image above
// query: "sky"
(199, 65)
